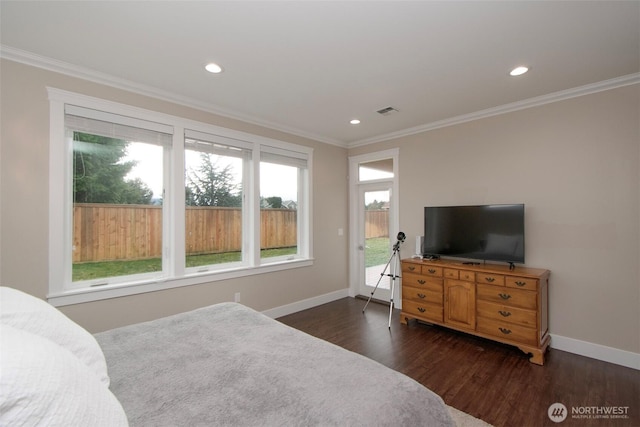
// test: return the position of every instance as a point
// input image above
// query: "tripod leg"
(391, 306)
(379, 280)
(394, 276)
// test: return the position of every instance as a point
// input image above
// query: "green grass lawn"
(98, 270)
(378, 251)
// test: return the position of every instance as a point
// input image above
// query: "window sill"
(78, 296)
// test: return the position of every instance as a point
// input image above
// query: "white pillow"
(42, 383)
(26, 312)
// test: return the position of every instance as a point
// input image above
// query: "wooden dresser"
(490, 301)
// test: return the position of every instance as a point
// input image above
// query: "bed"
(227, 364)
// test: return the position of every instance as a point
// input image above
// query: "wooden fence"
(105, 232)
(376, 223)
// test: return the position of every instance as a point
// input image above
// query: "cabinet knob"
(490, 279)
(521, 283)
(504, 296)
(422, 310)
(505, 331)
(422, 282)
(411, 268)
(421, 296)
(504, 313)
(431, 271)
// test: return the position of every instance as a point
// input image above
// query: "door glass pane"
(377, 248)
(117, 207)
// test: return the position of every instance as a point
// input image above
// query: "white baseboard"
(596, 351)
(305, 304)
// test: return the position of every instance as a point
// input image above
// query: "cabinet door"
(460, 304)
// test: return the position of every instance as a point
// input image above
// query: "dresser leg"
(537, 354)
(404, 319)
(537, 357)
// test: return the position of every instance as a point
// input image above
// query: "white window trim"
(174, 230)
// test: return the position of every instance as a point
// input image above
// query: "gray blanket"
(230, 365)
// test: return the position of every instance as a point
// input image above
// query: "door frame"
(356, 259)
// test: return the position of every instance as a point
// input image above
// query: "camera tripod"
(394, 262)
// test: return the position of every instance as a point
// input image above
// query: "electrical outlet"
(236, 297)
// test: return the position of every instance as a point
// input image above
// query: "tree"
(212, 185)
(375, 205)
(99, 172)
(274, 202)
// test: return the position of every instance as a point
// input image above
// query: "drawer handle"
(431, 271)
(421, 281)
(504, 313)
(504, 296)
(521, 283)
(421, 296)
(422, 310)
(505, 331)
(411, 268)
(490, 279)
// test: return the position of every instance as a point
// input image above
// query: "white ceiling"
(309, 67)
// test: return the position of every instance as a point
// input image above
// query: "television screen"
(486, 232)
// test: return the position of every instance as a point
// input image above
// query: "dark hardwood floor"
(488, 380)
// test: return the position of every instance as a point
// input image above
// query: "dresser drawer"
(507, 296)
(508, 331)
(505, 313)
(430, 270)
(451, 273)
(428, 311)
(411, 268)
(468, 276)
(423, 282)
(422, 295)
(522, 283)
(492, 279)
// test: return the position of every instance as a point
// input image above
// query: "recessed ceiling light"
(355, 122)
(518, 71)
(213, 68)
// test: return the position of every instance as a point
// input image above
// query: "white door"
(375, 241)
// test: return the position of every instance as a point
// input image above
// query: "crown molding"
(53, 65)
(29, 58)
(562, 95)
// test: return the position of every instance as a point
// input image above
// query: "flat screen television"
(483, 232)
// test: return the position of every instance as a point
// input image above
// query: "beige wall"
(24, 172)
(575, 164)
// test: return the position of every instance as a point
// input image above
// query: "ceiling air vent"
(387, 111)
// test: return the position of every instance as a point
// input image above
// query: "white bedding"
(52, 371)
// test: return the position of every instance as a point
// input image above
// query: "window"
(116, 192)
(213, 183)
(375, 170)
(281, 178)
(142, 201)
